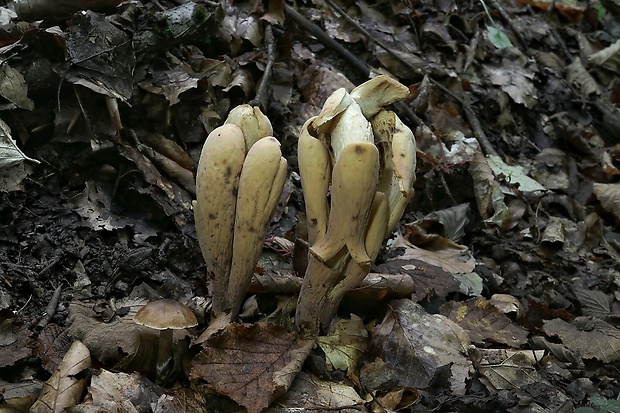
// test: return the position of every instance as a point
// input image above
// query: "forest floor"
(498, 292)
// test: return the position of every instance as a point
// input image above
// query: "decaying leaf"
(427, 279)
(484, 322)
(609, 195)
(251, 364)
(345, 346)
(507, 369)
(413, 348)
(582, 332)
(122, 392)
(489, 196)
(63, 389)
(120, 340)
(309, 393)
(13, 87)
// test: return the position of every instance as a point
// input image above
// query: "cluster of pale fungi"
(357, 166)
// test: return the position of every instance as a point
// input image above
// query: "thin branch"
(261, 93)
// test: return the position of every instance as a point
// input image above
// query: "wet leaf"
(251, 364)
(63, 389)
(102, 57)
(484, 322)
(594, 303)
(413, 348)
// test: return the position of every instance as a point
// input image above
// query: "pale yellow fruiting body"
(217, 179)
(378, 92)
(350, 128)
(354, 182)
(335, 104)
(254, 124)
(368, 195)
(260, 186)
(315, 171)
(398, 174)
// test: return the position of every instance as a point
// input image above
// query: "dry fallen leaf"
(63, 389)
(309, 393)
(484, 322)
(120, 340)
(122, 392)
(413, 349)
(588, 336)
(251, 364)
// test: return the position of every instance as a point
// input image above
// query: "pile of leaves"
(498, 292)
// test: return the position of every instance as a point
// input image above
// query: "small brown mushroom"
(165, 315)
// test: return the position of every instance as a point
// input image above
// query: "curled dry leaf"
(63, 389)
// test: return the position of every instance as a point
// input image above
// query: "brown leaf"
(14, 343)
(442, 252)
(119, 340)
(415, 349)
(484, 322)
(427, 279)
(590, 337)
(63, 390)
(52, 345)
(251, 364)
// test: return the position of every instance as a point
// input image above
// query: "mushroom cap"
(164, 314)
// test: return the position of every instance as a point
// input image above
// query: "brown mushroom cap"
(164, 314)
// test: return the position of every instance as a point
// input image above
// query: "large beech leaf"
(415, 349)
(251, 364)
(484, 322)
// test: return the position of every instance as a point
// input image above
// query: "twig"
(261, 93)
(484, 142)
(371, 38)
(50, 310)
(315, 30)
(357, 64)
(510, 22)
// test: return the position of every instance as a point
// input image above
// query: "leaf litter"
(500, 289)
